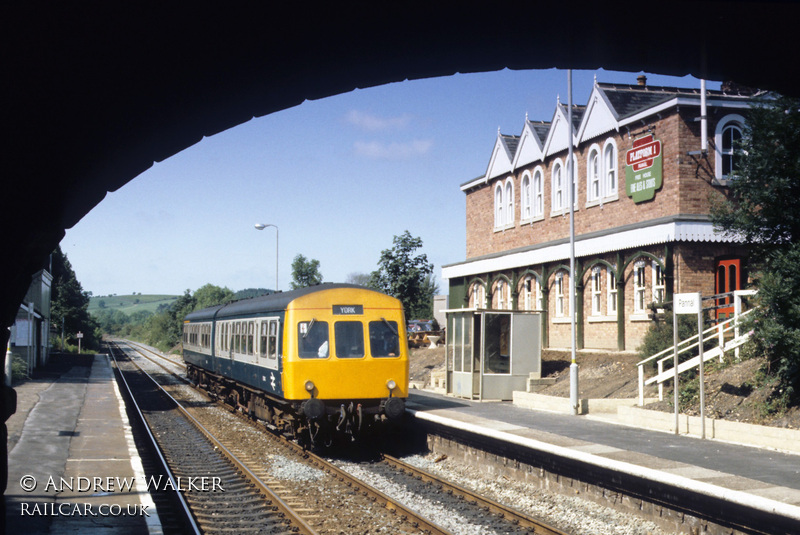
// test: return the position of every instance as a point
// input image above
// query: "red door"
(728, 279)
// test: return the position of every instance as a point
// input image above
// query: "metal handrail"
(670, 350)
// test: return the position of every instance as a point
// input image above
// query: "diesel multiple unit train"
(325, 361)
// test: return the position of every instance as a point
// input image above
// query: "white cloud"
(393, 150)
(373, 123)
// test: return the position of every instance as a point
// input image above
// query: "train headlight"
(390, 384)
(310, 386)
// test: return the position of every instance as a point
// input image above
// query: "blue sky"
(339, 176)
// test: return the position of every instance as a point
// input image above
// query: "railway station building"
(643, 188)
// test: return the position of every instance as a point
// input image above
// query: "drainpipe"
(703, 119)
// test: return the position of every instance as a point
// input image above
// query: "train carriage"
(331, 357)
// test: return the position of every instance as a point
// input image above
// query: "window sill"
(563, 211)
(562, 319)
(640, 316)
(531, 220)
(504, 228)
(602, 319)
(603, 201)
(724, 182)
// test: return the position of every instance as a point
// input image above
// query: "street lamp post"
(262, 226)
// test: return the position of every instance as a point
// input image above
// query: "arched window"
(477, 296)
(527, 208)
(562, 294)
(593, 172)
(498, 206)
(574, 183)
(500, 290)
(509, 198)
(558, 187)
(731, 136)
(597, 272)
(538, 193)
(611, 294)
(726, 138)
(639, 285)
(610, 170)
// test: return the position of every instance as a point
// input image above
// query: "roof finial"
(558, 99)
(498, 131)
(595, 78)
(526, 116)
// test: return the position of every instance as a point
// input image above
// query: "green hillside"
(129, 304)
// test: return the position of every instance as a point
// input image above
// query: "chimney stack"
(642, 79)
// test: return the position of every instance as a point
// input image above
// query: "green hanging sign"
(643, 169)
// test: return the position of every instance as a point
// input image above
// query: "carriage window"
(349, 339)
(273, 339)
(250, 335)
(263, 339)
(383, 339)
(269, 339)
(312, 339)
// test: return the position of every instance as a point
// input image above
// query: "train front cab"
(350, 357)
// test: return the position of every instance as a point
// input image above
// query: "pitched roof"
(627, 100)
(540, 128)
(511, 143)
(623, 103)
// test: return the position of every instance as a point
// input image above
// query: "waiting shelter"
(491, 353)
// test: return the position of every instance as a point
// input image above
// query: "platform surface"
(768, 478)
(71, 430)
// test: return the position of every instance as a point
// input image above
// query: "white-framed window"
(499, 206)
(478, 295)
(504, 204)
(601, 173)
(596, 290)
(611, 294)
(574, 183)
(659, 283)
(562, 298)
(526, 195)
(532, 293)
(500, 290)
(610, 184)
(558, 201)
(509, 198)
(728, 133)
(593, 175)
(527, 293)
(538, 192)
(639, 285)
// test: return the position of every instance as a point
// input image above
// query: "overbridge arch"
(95, 92)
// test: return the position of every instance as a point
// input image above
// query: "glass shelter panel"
(497, 344)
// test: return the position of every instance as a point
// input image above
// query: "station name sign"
(687, 303)
(643, 169)
(348, 310)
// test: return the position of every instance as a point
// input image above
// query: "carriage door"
(728, 279)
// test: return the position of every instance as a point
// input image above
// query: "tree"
(70, 304)
(305, 272)
(403, 275)
(210, 295)
(764, 209)
(361, 279)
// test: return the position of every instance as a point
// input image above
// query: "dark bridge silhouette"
(95, 92)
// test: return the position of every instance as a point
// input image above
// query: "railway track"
(222, 494)
(469, 508)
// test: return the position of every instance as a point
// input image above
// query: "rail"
(727, 330)
(278, 505)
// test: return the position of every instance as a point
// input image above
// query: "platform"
(73, 466)
(765, 479)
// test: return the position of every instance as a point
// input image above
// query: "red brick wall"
(686, 189)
